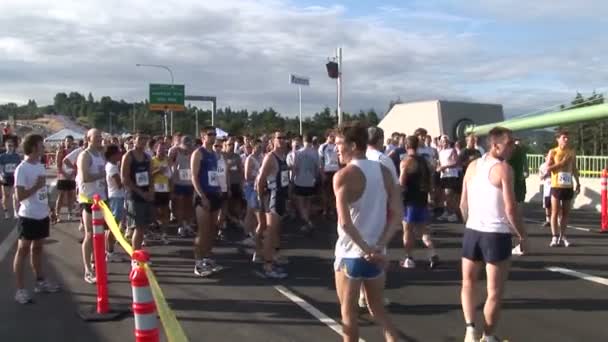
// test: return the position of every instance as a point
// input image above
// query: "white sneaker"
(471, 335)
(566, 242)
(554, 242)
(22, 296)
(443, 217)
(408, 263)
(490, 338)
(90, 278)
(164, 239)
(452, 218)
(362, 302)
(517, 250)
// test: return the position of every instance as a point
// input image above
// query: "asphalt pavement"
(540, 303)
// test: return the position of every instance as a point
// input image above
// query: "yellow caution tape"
(172, 328)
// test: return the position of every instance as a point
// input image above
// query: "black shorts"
(562, 194)
(66, 185)
(451, 183)
(139, 214)
(32, 229)
(304, 191)
(9, 180)
(275, 203)
(161, 199)
(215, 201)
(486, 247)
(547, 202)
(236, 192)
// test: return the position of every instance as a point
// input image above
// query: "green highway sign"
(169, 97)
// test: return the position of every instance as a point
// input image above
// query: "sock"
(472, 325)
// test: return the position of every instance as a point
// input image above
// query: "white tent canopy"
(220, 133)
(60, 136)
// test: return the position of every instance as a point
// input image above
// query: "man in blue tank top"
(8, 163)
(207, 202)
(273, 188)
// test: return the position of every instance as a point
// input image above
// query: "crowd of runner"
(373, 187)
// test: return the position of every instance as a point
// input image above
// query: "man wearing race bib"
(562, 165)
(33, 224)
(222, 178)
(273, 187)
(255, 220)
(182, 185)
(91, 179)
(234, 167)
(8, 164)
(207, 203)
(136, 175)
(306, 170)
(161, 176)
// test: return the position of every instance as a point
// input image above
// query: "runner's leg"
(497, 274)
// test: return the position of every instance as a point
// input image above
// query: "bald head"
(94, 138)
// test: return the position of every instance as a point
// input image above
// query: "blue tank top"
(8, 163)
(207, 174)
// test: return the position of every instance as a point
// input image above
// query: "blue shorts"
(415, 214)
(251, 196)
(359, 268)
(486, 247)
(117, 206)
(183, 190)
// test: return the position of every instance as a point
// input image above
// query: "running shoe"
(517, 251)
(89, 277)
(471, 335)
(490, 338)
(566, 242)
(23, 297)
(554, 242)
(164, 239)
(113, 257)
(408, 263)
(547, 224)
(444, 216)
(45, 286)
(452, 218)
(203, 269)
(274, 273)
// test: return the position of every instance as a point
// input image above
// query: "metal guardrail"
(588, 166)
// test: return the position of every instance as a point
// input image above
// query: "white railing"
(588, 166)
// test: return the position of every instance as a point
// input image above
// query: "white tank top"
(486, 205)
(89, 189)
(444, 159)
(255, 166)
(368, 213)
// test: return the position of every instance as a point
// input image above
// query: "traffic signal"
(332, 69)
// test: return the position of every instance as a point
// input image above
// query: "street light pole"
(172, 83)
(339, 85)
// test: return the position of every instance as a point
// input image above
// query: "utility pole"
(339, 85)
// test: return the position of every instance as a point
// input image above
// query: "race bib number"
(42, 195)
(10, 168)
(161, 187)
(185, 174)
(141, 179)
(213, 178)
(564, 179)
(284, 178)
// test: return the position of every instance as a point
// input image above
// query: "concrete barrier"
(588, 199)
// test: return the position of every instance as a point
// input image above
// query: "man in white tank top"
(367, 217)
(489, 209)
(91, 180)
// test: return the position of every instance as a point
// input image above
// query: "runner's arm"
(195, 167)
(59, 161)
(508, 195)
(395, 208)
(464, 204)
(260, 182)
(403, 177)
(344, 220)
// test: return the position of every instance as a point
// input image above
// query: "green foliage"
(127, 117)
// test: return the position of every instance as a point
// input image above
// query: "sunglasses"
(210, 134)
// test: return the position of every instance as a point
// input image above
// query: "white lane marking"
(333, 325)
(580, 275)
(573, 227)
(7, 243)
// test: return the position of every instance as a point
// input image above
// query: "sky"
(525, 55)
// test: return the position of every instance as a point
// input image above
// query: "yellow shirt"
(161, 179)
(562, 177)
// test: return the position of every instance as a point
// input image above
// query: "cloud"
(242, 52)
